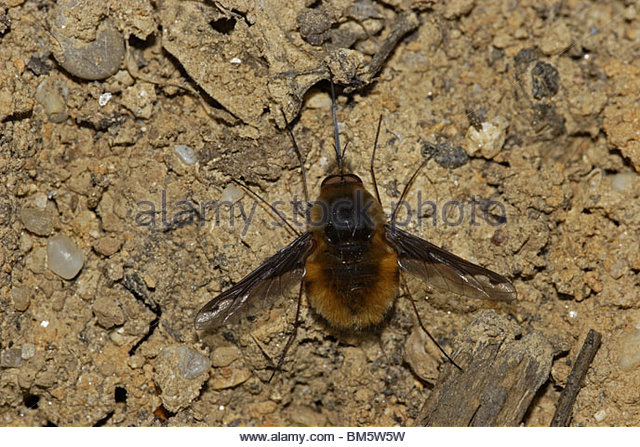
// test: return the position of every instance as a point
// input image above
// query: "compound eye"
(341, 179)
(352, 178)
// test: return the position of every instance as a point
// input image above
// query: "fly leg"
(292, 335)
(415, 309)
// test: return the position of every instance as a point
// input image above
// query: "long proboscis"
(336, 136)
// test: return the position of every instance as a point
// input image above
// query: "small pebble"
(318, 100)
(314, 25)
(192, 363)
(180, 372)
(37, 221)
(117, 338)
(559, 373)
(489, 139)
(26, 243)
(11, 358)
(28, 351)
(139, 99)
(64, 257)
(300, 415)
(114, 271)
(150, 281)
(40, 200)
(419, 360)
(21, 297)
(186, 154)
(600, 415)
(106, 308)
(87, 284)
(232, 193)
(458, 8)
(90, 60)
(136, 361)
(107, 246)
(52, 100)
(36, 260)
(104, 99)
(545, 80)
(623, 181)
(630, 12)
(224, 356)
(58, 299)
(445, 154)
(229, 377)
(629, 350)
(556, 39)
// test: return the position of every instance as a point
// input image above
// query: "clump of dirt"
(531, 118)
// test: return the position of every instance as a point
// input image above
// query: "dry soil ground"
(118, 119)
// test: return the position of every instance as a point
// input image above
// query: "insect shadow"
(351, 261)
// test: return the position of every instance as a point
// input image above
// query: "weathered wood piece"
(564, 407)
(502, 369)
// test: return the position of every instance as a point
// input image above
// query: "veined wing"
(445, 271)
(273, 275)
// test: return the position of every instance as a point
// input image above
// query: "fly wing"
(445, 271)
(266, 281)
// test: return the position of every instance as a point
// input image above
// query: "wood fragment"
(402, 25)
(502, 371)
(564, 409)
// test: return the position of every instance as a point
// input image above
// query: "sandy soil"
(109, 112)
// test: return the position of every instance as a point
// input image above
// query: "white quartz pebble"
(64, 257)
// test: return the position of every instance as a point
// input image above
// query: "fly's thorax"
(345, 214)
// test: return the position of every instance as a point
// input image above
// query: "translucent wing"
(445, 271)
(275, 273)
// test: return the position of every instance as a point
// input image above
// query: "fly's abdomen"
(354, 295)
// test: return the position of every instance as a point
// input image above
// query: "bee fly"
(351, 261)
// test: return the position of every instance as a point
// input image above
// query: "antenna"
(267, 204)
(303, 171)
(394, 214)
(373, 159)
(336, 137)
